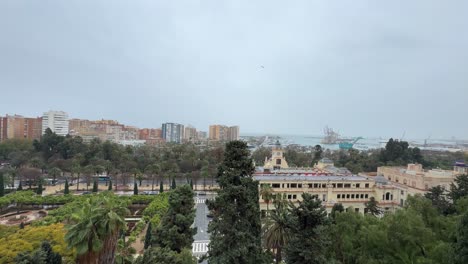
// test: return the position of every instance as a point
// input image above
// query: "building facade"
(190, 134)
(223, 133)
(57, 121)
(172, 132)
(20, 127)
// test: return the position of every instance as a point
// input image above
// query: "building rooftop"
(298, 177)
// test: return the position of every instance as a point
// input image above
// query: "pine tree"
(39, 188)
(308, 241)
(372, 207)
(95, 187)
(148, 236)
(173, 186)
(236, 228)
(175, 231)
(2, 185)
(109, 188)
(161, 187)
(135, 188)
(67, 190)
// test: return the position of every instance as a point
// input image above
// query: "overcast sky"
(370, 68)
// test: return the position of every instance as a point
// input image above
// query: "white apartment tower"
(57, 121)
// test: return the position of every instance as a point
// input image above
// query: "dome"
(381, 179)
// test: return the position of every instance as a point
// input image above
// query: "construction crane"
(349, 145)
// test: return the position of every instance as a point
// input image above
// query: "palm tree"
(94, 229)
(152, 169)
(88, 172)
(55, 172)
(77, 170)
(275, 234)
(266, 194)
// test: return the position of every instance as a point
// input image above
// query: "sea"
(362, 144)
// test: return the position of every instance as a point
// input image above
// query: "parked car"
(149, 192)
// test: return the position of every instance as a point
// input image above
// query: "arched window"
(387, 196)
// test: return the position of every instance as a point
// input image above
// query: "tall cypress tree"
(95, 187)
(148, 235)
(161, 187)
(67, 190)
(2, 185)
(39, 188)
(20, 187)
(236, 228)
(191, 184)
(109, 188)
(175, 231)
(135, 188)
(173, 186)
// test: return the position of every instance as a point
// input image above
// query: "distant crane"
(349, 145)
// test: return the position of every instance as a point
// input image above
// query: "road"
(202, 238)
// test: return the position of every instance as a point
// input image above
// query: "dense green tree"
(135, 188)
(459, 188)
(95, 187)
(191, 184)
(235, 228)
(306, 225)
(109, 187)
(318, 151)
(20, 187)
(94, 228)
(372, 207)
(161, 187)
(158, 255)
(438, 197)
(260, 154)
(461, 246)
(337, 208)
(175, 231)
(67, 188)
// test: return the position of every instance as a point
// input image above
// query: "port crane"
(349, 145)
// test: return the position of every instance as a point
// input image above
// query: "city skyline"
(363, 68)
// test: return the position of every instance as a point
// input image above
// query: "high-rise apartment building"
(223, 133)
(57, 121)
(172, 132)
(19, 127)
(190, 134)
(202, 135)
(233, 133)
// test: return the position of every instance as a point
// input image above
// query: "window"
(289, 196)
(366, 196)
(293, 185)
(340, 185)
(358, 185)
(316, 185)
(299, 185)
(338, 196)
(356, 210)
(362, 196)
(278, 161)
(294, 196)
(324, 197)
(352, 196)
(324, 185)
(275, 185)
(347, 196)
(310, 185)
(402, 192)
(334, 185)
(367, 185)
(347, 185)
